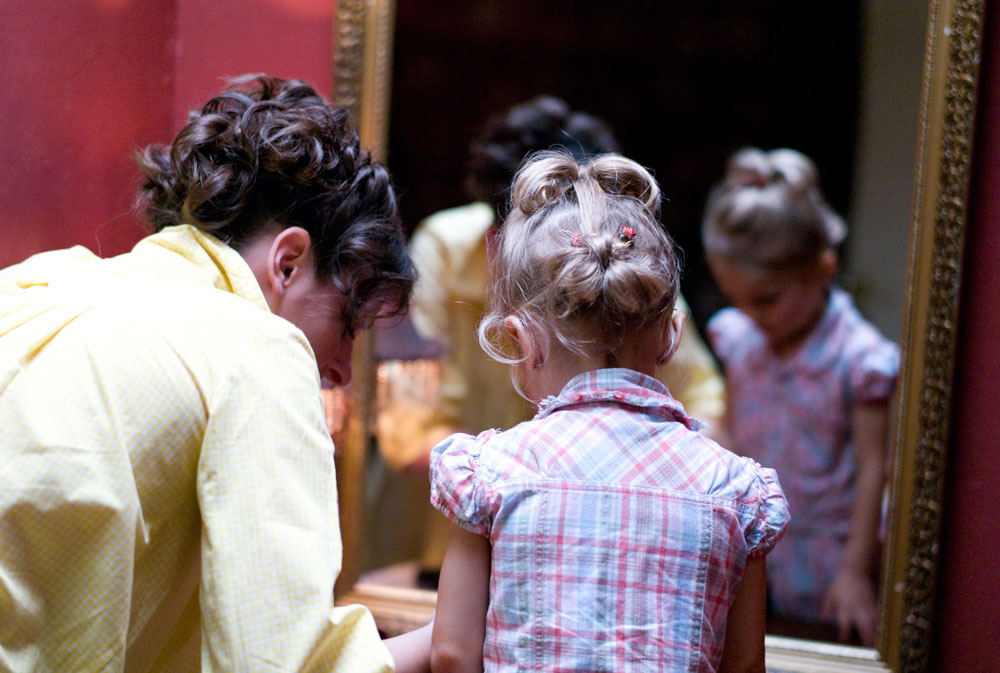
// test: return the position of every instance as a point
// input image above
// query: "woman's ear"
(288, 255)
(670, 336)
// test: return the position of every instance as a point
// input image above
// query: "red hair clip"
(626, 234)
(576, 240)
(753, 180)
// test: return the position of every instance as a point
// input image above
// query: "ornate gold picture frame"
(943, 152)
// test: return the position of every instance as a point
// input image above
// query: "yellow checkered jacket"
(167, 491)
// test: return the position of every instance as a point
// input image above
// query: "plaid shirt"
(794, 415)
(619, 534)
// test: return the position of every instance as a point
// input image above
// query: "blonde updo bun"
(582, 257)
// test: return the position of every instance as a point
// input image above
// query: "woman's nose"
(338, 373)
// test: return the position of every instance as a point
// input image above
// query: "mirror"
(933, 215)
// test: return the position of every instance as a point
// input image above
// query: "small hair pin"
(627, 234)
(576, 240)
(753, 180)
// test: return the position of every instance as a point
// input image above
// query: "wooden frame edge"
(940, 202)
(940, 207)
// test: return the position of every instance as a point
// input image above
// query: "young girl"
(605, 534)
(809, 383)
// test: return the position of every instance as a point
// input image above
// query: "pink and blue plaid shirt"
(794, 415)
(619, 534)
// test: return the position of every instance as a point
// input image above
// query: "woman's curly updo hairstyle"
(769, 213)
(271, 153)
(541, 123)
(582, 258)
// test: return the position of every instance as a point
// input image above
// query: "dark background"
(683, 83)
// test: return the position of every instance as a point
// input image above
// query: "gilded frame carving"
(940, 209)
(362, 64)
(921, 423)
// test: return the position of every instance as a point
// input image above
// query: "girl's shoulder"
(729, 318)
(457, 486)
(767, 517)
(865, 336)
(484, 458)
(752, 491)
(757, 493)
(861, 347)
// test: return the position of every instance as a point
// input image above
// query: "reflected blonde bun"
(769, 212)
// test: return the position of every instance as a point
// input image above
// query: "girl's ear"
(523, 338)
(670, 336)
(828, 266)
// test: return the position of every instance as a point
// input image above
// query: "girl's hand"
(411, 651)
(851, 600)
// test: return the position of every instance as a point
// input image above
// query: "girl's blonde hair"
(769, 213)
(582, 257)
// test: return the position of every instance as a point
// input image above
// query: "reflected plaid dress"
(619, 533)
(794, 415)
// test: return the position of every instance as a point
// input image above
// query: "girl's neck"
(554, 373)
(560, 366)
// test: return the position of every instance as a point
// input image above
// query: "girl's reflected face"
(785, 304)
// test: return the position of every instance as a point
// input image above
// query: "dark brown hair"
(271, 153)
(542, 123)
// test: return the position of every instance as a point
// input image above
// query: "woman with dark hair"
(540, 123)
(179, 504)
(269, 155)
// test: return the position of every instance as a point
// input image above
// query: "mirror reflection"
(838, 83)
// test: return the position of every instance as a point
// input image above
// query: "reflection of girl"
(605, 534)
(809, 383)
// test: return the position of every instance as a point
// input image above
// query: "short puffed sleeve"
(767, 517)
(727, 333)
(874, 370)
(456, 488)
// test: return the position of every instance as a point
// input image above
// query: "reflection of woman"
(809, 383)
(178, 509)
(451, 249)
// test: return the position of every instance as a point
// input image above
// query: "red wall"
(225, 38)
(967, 621)
(84, 83)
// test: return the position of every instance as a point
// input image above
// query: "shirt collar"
(816, 353)
(619, 386)
(215, 263)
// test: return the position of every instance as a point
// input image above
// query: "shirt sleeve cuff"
(351, 644)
